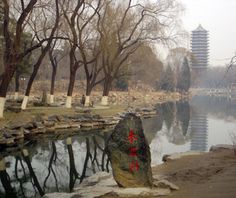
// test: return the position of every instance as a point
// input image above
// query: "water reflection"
(53, 166)
(195, 125)
(199, 131)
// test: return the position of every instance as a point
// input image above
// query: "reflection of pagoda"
(199, 132)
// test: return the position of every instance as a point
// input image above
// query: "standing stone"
(129, 154)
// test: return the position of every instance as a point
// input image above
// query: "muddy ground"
(210, 175)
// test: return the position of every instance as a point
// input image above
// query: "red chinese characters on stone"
(132, 137)
(134, 166)
(133, 151)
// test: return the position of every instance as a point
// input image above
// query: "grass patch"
(110, 111)
(31, 112)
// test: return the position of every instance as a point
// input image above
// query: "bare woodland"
(99, 38)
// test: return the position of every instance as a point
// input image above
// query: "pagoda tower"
(199, 48)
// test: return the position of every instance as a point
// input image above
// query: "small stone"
(48, 123)
(15, 109)
(145, 192)
(39, 125)
(53, 118)
(62, 126)
(165, 184)
(175, 156)
(17, 124)
(90, 125)
(220, 147)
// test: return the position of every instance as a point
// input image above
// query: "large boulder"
(129, 154)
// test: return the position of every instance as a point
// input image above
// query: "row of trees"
(100, 36)
(180, 80)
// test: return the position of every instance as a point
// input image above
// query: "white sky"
(219, 18)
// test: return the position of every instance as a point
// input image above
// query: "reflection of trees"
(152, 126)
(24, 177)
(5, 179)
(183, 115)
(32, 173)
(88, 156)
(176, 117)
(221, 107)
(168, 114)
(56, 166)
(50, 167)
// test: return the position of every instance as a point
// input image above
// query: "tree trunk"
(106, 87)
(28, 89)
(89, 88)
(106, 90)
(70, 89)
(6, 79)
(54, 72)
(17, 84)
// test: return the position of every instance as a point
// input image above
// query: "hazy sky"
(219, 18)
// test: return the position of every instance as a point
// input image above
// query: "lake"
(54, 166)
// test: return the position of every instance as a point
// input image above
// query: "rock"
(38, 130)
(62, 126)
(18, 134)
(75, 125)
(6, 134)
(89, 125)
(39, 104)
(61, 195)
(28, 125)
(146, 109)
(7, 141)
(39, 118)
(165, 184)
(26, 131)
(220, 147)
(54, 105)
(39, 125)
(94, 179)
(144, 192)
(175, 156)
(48, 123)
(159, 177)
(18, 124)
(53, 118)
(129, 153)
(63, 118)
(15, 109)
(97, 116)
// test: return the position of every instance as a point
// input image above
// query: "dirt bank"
(209, 175)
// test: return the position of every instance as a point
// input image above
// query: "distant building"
(199, 48)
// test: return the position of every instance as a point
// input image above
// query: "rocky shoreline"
(16, 132)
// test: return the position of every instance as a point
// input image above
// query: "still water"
(53, 166)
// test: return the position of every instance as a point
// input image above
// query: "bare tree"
(125, 25)
(48, 32)
(175, 59)
(89, 47)
(78, 16)
(71, 12)
(55, 57)
(12, 49)
(21, 14)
